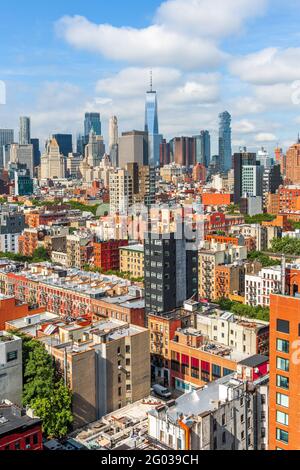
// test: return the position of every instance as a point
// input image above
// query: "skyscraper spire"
(151, 80)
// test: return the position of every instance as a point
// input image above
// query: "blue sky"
(61, 59)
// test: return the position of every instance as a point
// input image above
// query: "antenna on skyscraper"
(151, 80)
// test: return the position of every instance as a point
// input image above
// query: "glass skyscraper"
(92, 121)
(24, 136)
(225, 151)
(151, 126)
(203, 149)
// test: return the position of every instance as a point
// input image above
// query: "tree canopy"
(44, 391)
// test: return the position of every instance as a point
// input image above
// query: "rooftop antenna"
(151, 81)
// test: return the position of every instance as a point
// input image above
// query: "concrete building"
(11, 374)
(12, 223)
(113, 132)
(132, 260)
(23, 154)
(133, 148)
(79, 249)
(171, 271)
(106, 365)
(6, 138)
(259, 287)
(256, 231)
(207, 262)
(74, 161)
(120, 192)
(229, 414)
(243, 334)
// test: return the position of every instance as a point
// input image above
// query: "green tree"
(38, 373)
(40, 254)
(265, 260)
(55, 411)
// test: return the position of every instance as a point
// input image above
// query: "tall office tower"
(79, 144)
(264, 158)
(120, 192)
(203, 148)
(65, 143)
(36, 152)
(74, 161)
(113, 132)
(24, 135)
(171, 272)
(293, 163)
(133, 147)
(241, 160)
(272, 179)
(165, 153)
(184, 151)
(114, 155)
(284, 384)
(6, 138)
(53, 163)
(92, 121)
(23, 154)
(225, 151)
(281, 159)
(94, 150)
(151, 126)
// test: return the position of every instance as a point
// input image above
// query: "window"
(283, 346)
(227, 371)
(12, 356)
(282, 400)
(282, 436)
(283, 364)
(127, 349)
(35, 439)
(224, 438)
(17, 445)
(282, 418)
(282, 382)
(120, 391)
(283, 326)
(223, 420)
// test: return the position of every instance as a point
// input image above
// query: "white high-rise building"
(113, 132)
(120, 192)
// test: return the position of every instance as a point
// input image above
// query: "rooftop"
(13, 418)
(125, 428)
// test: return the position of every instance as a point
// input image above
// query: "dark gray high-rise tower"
(24, 136)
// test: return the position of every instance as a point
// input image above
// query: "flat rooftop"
(139, 248)
(13, 418)
(125, 427)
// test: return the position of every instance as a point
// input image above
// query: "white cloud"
(268, 66)
(155, 45)
(265, 137)
(208, 18)
(134, 81)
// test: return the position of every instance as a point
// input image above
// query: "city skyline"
(63, 70)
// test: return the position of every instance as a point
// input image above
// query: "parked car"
(161, 391)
